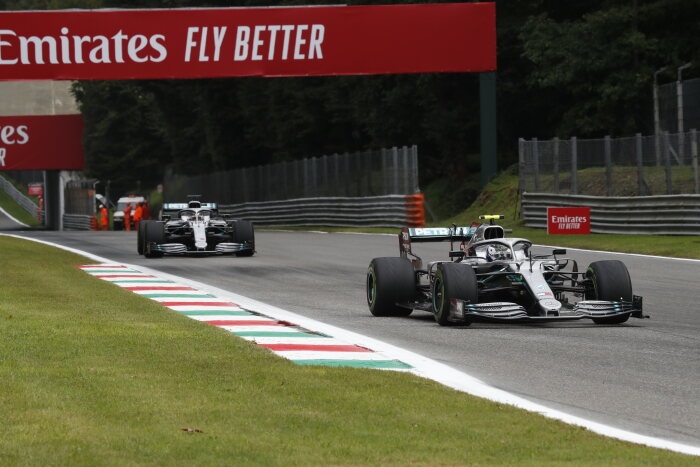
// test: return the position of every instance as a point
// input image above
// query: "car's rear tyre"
(243, 232)
(390, 281)
(154, 233)
(452, 281)
(610, 281)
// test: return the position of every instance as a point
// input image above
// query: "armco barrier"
(661, 215)
(79, 222)
(371, 211)
(26, 203)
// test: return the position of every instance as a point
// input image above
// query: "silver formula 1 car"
(194, 228)
(493, 278)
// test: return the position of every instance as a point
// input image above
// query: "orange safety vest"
(104, 217)
(138, 213)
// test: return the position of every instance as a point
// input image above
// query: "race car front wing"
(181, 248)
(463, 311)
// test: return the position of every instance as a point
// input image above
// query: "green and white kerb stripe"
(288, 340)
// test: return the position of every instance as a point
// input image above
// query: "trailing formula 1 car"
(491, 278)
(194, 228)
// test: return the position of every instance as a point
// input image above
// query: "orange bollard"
(415, 216)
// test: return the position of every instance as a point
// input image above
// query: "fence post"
(667, 161)
(395, 168)
(404, 153)
(521, 163)
(346, 158)
(307, 177)
(694, 152)
(608, 166)
(336, 171)
(415, 188)
(657, 144)
(640, 172)
(536, 162)
(574, 166)
(383, 156)
(555, 167)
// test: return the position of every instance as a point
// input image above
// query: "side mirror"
(165, 217)
(457, 254)
(561, 251)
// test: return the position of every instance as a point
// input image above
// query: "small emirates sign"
(572, 221)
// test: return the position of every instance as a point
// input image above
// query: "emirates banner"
(205, 43)
(570, 221)
(43, 142)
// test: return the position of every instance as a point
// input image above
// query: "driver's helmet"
(194, 204)
(497, 252)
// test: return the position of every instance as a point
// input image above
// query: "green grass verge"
(16, 211)
(94, 375)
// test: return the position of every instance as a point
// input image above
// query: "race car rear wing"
(178, 206)
(431, 234)
(439, 234)
(171, 209)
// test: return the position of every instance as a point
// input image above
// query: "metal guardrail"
(373, 211)
(78, 222)
(26, 203)
(652, 215)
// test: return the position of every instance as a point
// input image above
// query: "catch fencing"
(369, 188)
(668, 105)
(26, 203)
(369, 173)
(654, 215)
(80, 208)
(372, 211)
(631, 166)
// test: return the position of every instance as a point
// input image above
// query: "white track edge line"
(620, 253)
(424, 366)
(12, 218)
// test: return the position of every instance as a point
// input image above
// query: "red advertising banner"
(569, 221)
(41, 142)
(276, 41)
(35, 189)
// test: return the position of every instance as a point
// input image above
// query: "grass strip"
(91, 374)
(16, 211)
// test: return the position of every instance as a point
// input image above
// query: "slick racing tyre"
(243, 232)
(390, 281)
(154, 233)
(610, 281)
(452, 281)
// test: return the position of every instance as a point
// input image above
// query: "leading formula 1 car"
(496, 279)
(194, 228)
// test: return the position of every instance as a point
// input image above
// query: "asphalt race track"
(642, 376)
(8, 224)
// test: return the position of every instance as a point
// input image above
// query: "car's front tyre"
(243, 232)
(140, 237)
(154, 234)
(610, 281)
(452, 281)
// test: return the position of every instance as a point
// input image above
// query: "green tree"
(599, 66)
